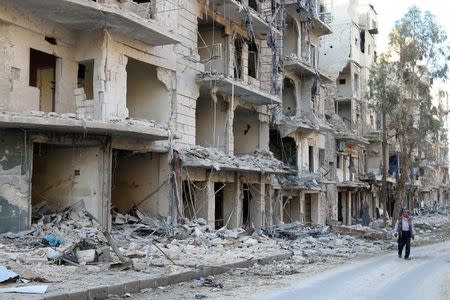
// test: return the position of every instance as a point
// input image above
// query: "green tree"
(400, 88)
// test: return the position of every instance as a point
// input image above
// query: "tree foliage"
(400, 86)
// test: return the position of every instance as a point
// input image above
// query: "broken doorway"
(291, 209)
(188, 197)
(219, 199)
(246, 204)
(308, 209)
(340, 208)
(43, 76)
(85, 77)
(289, 97)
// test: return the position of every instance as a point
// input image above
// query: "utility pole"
(384, 157)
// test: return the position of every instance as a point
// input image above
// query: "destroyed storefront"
(231, 191)
(49, 164)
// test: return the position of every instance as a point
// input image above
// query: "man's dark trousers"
(404, 240)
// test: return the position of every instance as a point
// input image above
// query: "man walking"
(404, 228)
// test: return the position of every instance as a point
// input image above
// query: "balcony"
(299, 66)
(69, 123)
(85, 15)
(229, 86)
(317, 14)
(235, 12)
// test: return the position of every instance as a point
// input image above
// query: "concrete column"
(205, 202)
(315, 208)
(229, 143)
(165, 192)
(349, 208)
(277, 213)
(269, 205)
(257, 204)
(302, 206)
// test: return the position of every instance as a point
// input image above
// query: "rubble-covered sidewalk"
(69, 252)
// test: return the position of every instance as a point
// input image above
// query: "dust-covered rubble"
(62, 246)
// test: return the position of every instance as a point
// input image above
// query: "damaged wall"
(14, 181)
(246, 131)
(211, 121)
(64, 175)
(140, 179)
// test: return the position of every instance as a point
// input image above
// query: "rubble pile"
(61, 245)
(216, 159)
(70, 237)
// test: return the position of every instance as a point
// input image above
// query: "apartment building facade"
(243, 113)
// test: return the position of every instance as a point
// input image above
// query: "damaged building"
(299, 134)
(239, 112)
(347, 55)
(81, 102)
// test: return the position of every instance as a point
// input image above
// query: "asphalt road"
(425, 277)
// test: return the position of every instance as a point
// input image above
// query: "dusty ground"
(253, 283)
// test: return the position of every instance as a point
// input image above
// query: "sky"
(390, 11)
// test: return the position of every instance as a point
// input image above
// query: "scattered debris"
(31, 289)
(7, 275)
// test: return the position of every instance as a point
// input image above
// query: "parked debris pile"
(218, 160)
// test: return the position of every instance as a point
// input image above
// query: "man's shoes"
(407, 258)
(399, 256)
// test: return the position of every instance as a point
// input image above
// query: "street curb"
(135, 286)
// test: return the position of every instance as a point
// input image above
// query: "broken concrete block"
(86, 256)
(103, 254)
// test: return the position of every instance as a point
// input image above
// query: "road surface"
(425, 276)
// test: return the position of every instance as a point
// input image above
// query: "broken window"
(238, 45)
(321, 157)
(342, 81)
(311, 158)
(219, 199)
(312, 53)
(356, 83)
(253, 4)
(284, 149)
(362, 41)
(210, 45)
(290, 37)
(289, 97)
(252, 60)
(147, 97)
(85, 78)
(42, 76)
